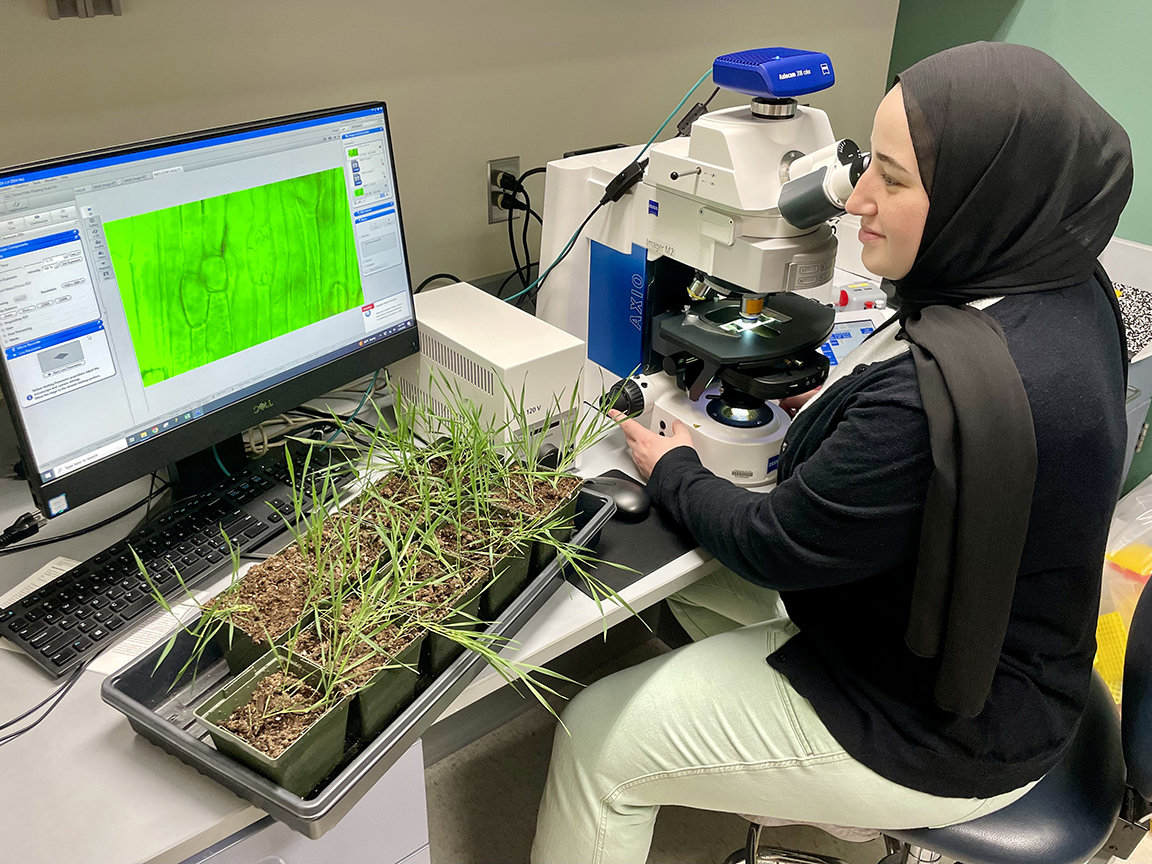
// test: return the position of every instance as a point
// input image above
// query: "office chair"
(1096, 799)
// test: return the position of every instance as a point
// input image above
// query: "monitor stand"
(203, 470)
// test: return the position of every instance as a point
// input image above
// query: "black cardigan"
(838, 535)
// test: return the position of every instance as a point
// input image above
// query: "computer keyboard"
(72, 618)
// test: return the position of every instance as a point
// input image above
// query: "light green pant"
(712, 726)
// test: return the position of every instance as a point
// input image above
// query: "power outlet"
(511, 165)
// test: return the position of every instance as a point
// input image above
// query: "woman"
(937, 531)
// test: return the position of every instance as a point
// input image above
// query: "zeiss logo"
(653, 208)
(261, 407)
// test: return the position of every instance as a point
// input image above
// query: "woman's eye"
(888, 181)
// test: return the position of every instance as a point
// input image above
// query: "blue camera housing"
(774, 73)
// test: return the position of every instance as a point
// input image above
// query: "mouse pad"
(644, 546)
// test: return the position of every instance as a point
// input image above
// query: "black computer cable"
(42, 702)
(509, 200)
(7, 549)
(531, 172)
(56, 697)
(512, 275)
(433, 278)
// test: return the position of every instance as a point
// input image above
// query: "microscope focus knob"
(625, 396)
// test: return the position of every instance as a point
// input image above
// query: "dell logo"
(262, 406)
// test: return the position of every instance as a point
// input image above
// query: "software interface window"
(142, 291)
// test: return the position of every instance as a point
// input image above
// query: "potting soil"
(273, 719)
(275, 590)
(542, 499)
(391, 642)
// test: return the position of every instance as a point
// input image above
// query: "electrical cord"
(55, 698)
(220, 462)
(509, 200)
(433, 278)
(684, 127)
(512, 276)
(675, 110)
(513, 204)
(632, 174)
(563, 254)
(524, 235)
(528, 219)
(35, 544)
(352, 416)
(259, 440)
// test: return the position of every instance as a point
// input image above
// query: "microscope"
(686, 293)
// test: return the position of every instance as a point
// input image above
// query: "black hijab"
(1026, 176)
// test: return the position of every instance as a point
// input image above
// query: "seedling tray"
(160, 707)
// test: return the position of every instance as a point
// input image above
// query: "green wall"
(1105, 44)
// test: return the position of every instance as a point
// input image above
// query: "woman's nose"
(860, 202)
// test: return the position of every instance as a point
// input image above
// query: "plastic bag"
(1127, 567)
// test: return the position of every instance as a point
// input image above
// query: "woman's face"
(889, 198)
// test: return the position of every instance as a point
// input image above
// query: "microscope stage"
(715, 332)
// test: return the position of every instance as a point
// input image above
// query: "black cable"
(509, 200)
(151, 497)
(524, 236)
(60, 694)
(35, 544)
(512, 245)
(433, 278)
(512, 276)
(35, 707)
(531, 172)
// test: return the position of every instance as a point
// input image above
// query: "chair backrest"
(1136, 714)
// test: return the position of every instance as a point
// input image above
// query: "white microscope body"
(712, 202)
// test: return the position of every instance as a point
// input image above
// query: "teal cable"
(675, 111)
(576, 233)
(227, 473)
(371, 387)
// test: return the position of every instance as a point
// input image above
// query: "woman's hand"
(647, 446)
(793, 404)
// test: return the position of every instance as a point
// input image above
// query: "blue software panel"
(617, 289)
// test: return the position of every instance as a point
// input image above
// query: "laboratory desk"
(82, 786)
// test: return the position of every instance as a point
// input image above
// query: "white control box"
(487, 351)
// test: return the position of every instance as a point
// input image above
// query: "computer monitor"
(160, 297)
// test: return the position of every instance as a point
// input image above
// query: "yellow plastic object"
(1111, 642)
(1133, 560)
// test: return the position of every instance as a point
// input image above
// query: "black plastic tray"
(162, 713)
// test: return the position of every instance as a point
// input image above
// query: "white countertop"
(82, 786)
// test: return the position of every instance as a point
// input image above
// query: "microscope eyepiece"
(820, 192)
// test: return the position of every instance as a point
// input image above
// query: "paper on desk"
(54, 568)
(154, 627)
(41, 577)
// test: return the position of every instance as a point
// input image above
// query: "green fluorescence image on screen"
(205, 280)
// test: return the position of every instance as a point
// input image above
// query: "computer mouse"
(632, 501)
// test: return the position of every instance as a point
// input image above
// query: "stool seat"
(1063, 819)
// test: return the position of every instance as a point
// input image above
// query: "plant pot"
(388, 693)
(309, 759)
(509, 578)
(240, 650)
(440, 651)
(543, 553)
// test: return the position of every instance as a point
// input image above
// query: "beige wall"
(464, 81)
